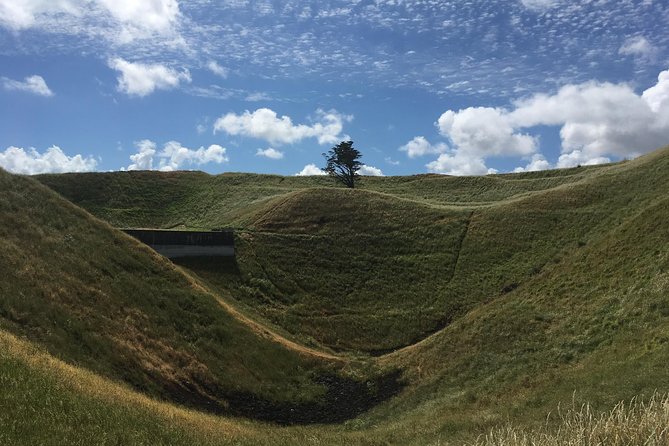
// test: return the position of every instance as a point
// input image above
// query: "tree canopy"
(343, 164)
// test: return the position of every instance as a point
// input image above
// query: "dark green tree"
(343, 164)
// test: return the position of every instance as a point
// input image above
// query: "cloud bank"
(53, 160)
(597, 121)
(174, 156)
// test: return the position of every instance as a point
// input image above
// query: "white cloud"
(218, 70)
(131, 19)
(539, 4)
(484, 131)
(21, 14)
(537, 162)
(638, 46)
(265, 124)
(459, 163)
(257, 97)
(15, 15)
(370, 171)
(657, 96)
(420, 146)
(602, 119)
(174, 156)
(18, 160)
(580, 158)
(270, 153)
(137, 79)
(143, 159)
(310, 169)
(141, 19)
(32, 84)
(597, 121)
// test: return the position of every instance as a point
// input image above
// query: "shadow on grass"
(344, 398)
(219, 265)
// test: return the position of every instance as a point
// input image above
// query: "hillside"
(495, 299)
(132, 316)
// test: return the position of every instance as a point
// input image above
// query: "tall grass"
(632, 423)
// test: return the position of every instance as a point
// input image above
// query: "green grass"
(96, 297)
(497, 297)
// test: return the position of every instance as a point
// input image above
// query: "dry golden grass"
(633, 423)
(93, 385)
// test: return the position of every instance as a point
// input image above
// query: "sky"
(459, 87)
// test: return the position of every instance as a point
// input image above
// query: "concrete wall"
(175, 251)
(174, 244)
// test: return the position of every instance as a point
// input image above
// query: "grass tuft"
(632, 423)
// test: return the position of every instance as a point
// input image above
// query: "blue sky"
(462, 87)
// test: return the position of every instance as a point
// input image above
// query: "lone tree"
(342, 163)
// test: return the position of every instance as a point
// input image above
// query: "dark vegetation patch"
(344, 398)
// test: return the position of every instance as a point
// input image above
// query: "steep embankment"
(95, 297)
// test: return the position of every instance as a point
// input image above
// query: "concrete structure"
(174, 244)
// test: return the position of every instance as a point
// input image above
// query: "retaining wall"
(174, 244)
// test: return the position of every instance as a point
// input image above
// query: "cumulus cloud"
(370, 171)
(419, 146)
(53, 160)
(638, 46)
(310, 169)
(265, 124)
(138, 79)
(270, 153)
(459, 163)
(657, 96)
(597, 121)
(580, 158)
(143, 159)
(485, 131)
(602, 119)
(537, 162)
(32, 84)
(218, 70)
(174, 156)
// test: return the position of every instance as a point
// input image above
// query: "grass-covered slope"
(371, 269)
(522, 291)
(594, 321)
(95, 297)
(199, 200)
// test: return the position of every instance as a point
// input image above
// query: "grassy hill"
(95, 297)
(495, 297)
